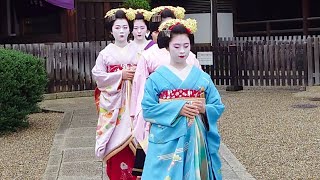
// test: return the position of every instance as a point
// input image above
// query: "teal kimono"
(178, 150)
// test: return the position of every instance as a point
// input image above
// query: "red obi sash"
(181, 93)
(115, 68)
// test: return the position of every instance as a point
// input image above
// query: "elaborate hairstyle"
(114, 14)
(140, 14)
(167, 11)
(170, 28)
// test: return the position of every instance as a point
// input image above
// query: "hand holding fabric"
(200, 106)
(127, 74)
(189, 110)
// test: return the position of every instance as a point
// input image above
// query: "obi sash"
(188, 95)
(110, 69)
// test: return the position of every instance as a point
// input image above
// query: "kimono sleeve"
(109, 82)
(166, 113)
(138, 83)
(214, 109)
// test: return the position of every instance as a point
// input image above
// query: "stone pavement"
(72, 154)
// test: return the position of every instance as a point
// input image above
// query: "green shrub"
(137, 4)
(22, 84)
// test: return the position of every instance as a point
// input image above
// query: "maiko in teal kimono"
(179, 149)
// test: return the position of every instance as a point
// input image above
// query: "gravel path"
(24, 155)
(269, 137)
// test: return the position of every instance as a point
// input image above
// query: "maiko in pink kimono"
(113, 73)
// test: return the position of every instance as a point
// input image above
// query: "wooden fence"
(246, 63)
(68, 65)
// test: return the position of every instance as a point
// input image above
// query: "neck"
(179, 65)
(140, 41)
(121, 44)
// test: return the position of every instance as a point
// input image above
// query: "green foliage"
(22, 84)
(137, 4)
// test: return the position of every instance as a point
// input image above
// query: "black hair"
(167, 13)
(120, 14)
(139, 16)
(164, 14)
(163, 40)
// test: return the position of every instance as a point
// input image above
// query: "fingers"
(192, 109)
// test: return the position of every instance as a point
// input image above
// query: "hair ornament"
(111, 14)
(179, 12)
(189, 24)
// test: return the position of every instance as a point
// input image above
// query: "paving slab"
(79, 154)
(87, 169)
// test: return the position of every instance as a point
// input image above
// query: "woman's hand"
(128, 74)
(200, 106)
(189, 110)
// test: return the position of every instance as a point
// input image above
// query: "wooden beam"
(305, 15)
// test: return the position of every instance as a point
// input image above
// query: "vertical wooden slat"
(277, 63)
(260, 56)
(266, 64)
(282, 63)
(63, 67)
(29, 49)
(15, 47)
(215, 64)
(310, 62)
(305, 58)
(22, 47)
(92, 61)
(288, 64)
(271, 56)
(87, 66)
(316, 61)
(50, 68)
(57, 57)
(294, 63)
(75, 66)
(69, 67)
(300, 62)
(36, 50)
(250, 63)
(81, 65)
(255, 63)
(223, 64)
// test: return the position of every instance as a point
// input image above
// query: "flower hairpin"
(189, 24)
(179, 12)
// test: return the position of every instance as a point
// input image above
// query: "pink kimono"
(150, 61)
(114, 129)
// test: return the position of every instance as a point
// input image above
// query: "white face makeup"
(120, 30)
(139, 30)
(179, 48)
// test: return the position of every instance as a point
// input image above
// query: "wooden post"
(214, 12)
(234, 70)
(305, 16)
